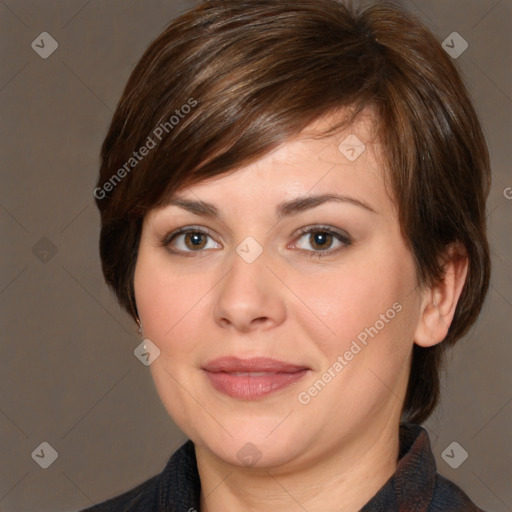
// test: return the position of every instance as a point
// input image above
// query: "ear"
(440, 300)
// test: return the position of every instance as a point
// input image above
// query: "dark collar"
(410, 489)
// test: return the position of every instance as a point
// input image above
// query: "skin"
(338, 450)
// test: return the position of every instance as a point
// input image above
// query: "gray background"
(68, 373)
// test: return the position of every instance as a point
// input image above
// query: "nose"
(250, 296)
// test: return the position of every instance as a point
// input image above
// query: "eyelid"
(166, 240)
(328, 229)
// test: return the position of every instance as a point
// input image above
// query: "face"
(285, 325)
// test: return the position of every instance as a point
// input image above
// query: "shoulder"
(448, 497)
(178, 483)
(417, 484)
(139, 499)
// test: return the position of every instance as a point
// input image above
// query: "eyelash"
(342, 237)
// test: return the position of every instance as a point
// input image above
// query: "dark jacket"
(415, 487)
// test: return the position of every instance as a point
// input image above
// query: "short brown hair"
(253, 73)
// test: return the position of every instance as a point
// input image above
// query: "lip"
(252, 378)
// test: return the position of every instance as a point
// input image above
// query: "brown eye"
(189, 240)
(195, 240)
(321, 241)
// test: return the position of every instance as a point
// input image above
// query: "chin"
(251, 445)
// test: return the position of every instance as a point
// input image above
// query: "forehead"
(346, 161)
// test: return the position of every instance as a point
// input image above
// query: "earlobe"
(440, 300)
(139, 323)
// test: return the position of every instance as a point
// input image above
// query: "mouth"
(250, 379)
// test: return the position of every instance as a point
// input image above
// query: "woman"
(292, 199)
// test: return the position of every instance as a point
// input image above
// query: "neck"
(343, 477)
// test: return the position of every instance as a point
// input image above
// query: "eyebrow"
(284, 209)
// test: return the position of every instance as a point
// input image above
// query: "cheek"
(151, 295)
(361, 300)
(371, 309)
(162, 297)
(172, 308)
